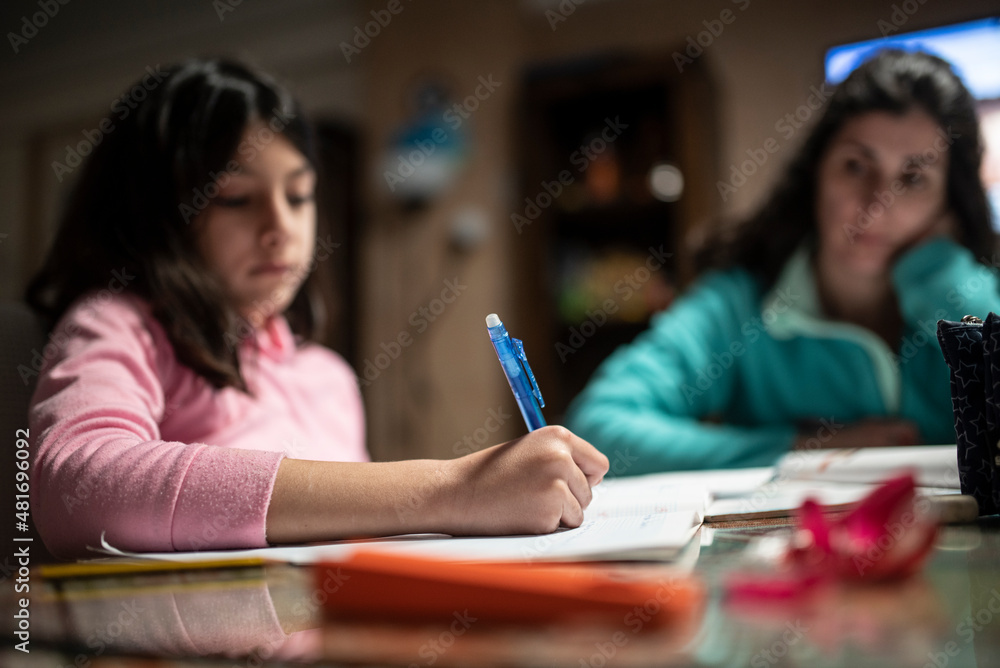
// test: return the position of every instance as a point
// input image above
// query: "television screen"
(973, 49)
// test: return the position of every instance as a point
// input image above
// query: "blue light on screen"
(973, 49)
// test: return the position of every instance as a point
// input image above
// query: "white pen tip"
(492, 320)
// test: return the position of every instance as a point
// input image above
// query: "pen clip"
(519, 349)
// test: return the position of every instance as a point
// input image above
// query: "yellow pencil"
(102, 568)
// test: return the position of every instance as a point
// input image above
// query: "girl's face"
(882, 189)
(257, 236)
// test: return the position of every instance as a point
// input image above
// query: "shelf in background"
(601, 255)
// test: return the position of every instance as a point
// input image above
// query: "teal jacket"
(728, 375)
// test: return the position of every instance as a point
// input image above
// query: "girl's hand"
(871, 433)
(531, 485)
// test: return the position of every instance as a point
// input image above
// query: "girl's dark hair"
(131, 210)
(893, 81)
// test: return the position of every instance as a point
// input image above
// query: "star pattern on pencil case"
(965, 342)
(995, 338)
(968, 373)
(972, 353)
(974, 423)
(985, 468)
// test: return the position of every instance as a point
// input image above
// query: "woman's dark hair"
(133, 207)
(893, 81)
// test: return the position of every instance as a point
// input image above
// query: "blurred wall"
(442, 393)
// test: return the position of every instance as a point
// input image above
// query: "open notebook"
(934, 466)
(611, 531)
(838, 479)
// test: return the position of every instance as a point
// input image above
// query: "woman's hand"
(531, 485)
(871, 433)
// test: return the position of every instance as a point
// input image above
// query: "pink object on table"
(130, 443)
(883, 537)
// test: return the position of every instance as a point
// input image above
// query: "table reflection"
(947, 617)
(182, 614)
(273, 613)
(918, 621)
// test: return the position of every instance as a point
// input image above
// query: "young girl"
(817, 325)
(182, 405)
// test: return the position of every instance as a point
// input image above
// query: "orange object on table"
(404, 588)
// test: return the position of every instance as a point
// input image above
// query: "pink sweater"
(133, 444)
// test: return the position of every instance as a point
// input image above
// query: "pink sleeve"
(99, 465)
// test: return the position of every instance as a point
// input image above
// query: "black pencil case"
(972, 350)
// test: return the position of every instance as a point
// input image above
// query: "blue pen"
(518, 371)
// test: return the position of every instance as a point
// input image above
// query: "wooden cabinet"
(617, 157)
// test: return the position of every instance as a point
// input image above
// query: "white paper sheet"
(932, 465)
(655, 536)
(781, 499)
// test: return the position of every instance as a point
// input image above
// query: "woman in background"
(814, 322)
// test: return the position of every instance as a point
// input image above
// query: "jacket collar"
(792, 308)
